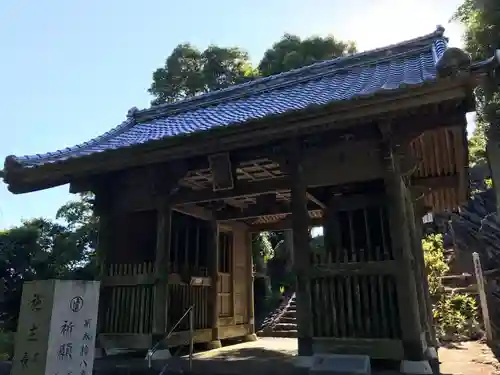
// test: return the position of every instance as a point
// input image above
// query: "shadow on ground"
(452, 345)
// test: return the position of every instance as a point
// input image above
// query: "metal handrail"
(154, 348)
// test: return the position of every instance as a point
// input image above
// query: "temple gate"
(363, 145)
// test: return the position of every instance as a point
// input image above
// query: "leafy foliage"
(477, 146)
(455, 315)
(481, 20)
(44, 249)
(6, 345)
(189, 72)
(291, 53)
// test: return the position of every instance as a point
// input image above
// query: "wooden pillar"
(250, 282)
(420, 273)
(401, 247)
(432, 337)
(160, 308)
(103, 243)
(103, 208)
(301, 250)
(288, 243)
(214, 289)
(331, 228)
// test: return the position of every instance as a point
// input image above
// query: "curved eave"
(21, 179)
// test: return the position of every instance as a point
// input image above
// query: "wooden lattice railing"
(127, 300)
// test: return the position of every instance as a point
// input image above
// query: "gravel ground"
(274, 356)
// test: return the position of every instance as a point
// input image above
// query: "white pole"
(478, 270)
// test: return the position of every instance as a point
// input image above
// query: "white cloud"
(384, 22)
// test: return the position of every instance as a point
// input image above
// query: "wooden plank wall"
(128, 308)
(353, 288)
(225, 282)
(128, 281)
(182, 296)
(242, 283)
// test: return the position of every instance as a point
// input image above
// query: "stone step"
(289, 314)
(286, 334)
(288, 319)
(285, 327)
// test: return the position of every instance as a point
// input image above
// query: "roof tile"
(389, 68)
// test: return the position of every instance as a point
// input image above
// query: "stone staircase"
(282, 322)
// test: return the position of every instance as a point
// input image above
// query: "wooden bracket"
(165, 178)
(222, 172)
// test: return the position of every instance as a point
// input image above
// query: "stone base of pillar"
(304, 362)
(161, 354)
(99, 353)
(432, 355)
(416, 367)
(250, 338)
(215, 344)
(305, 346)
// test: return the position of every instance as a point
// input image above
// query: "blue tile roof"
(408, 63)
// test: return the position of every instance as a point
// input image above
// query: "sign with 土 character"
(57, 328)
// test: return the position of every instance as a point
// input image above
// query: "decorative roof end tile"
(132, 112)
(440, 30)
(11, 162)
(454, 62)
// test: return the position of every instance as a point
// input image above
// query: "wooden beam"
(80, 185)
(195, 211)
(243, 189)
(253, 212)
(222, 171)
(343, 203)
(408, 129)
(316, 201)
(285, 224)
(436, 183)
(351, 163)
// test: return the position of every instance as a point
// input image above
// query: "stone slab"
(340, 364)
(57, 328)
(416, 368)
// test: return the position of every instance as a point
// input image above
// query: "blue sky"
(70, 70)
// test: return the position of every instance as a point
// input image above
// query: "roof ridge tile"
(391, 67)
(165, 109)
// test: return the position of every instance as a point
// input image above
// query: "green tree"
(45, 249)
(37, 249)
(455, 314)
(80, 220)
(189, 72)
(291, 52)
(481, 20)
(477, 146)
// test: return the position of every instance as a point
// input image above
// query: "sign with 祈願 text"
(57, 328)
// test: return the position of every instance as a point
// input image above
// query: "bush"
(6, 345)
(455, 314)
